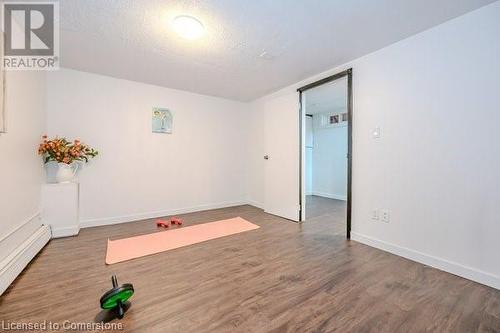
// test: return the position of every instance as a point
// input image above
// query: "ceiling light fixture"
(188, 27)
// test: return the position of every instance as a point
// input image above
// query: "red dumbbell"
(176, 220)
(162, 223)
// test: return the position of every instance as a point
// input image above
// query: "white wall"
(21, 171)
(140, 174)
(436, 98)
(329, 160)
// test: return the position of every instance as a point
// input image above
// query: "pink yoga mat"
(139, 246)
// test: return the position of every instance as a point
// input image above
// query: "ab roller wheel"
(115, 298)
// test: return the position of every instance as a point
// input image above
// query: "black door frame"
(328, 79)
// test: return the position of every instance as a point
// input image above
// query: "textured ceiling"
(133, 39)
(327, 97)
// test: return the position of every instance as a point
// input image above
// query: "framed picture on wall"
(3, 127)
(334, 119)
(161, 121)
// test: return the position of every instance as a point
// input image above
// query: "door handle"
(266, 157)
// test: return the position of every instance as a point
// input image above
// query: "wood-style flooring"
(283, 277)
(326, 209)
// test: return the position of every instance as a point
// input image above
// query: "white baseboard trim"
(255, 204)
(330, 195)
(439, 263)
(65, 232)
(14, 264)
(150, 215)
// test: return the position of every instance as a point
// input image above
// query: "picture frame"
(334, 119)
(161, 120)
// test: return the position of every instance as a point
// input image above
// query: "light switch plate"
(376, 132)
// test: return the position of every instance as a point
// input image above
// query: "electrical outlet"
(375, 214)
(385, 215)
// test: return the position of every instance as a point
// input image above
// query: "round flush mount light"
(188, 27)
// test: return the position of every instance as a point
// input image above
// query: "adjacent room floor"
(282, 277)
(326, 209)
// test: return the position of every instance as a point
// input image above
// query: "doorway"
(326, 151)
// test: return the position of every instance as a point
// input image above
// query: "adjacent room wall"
(436, 99)
(329, 160)
(140, 174)
(21, 172)
(309, 153)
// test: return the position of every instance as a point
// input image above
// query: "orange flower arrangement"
(64, 151)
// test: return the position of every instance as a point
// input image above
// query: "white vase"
(51, 168)
(66, 172)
